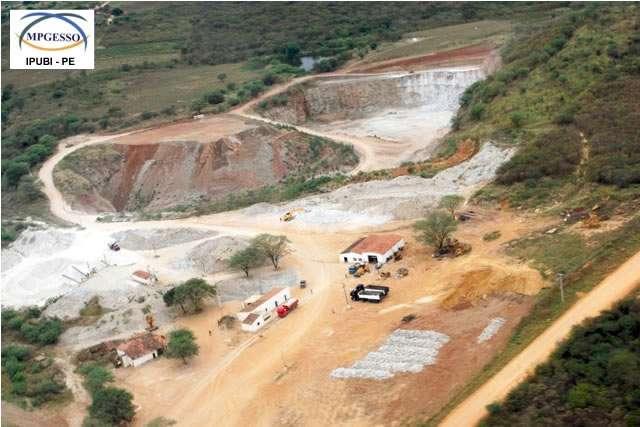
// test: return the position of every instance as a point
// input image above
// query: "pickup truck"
(369, 293)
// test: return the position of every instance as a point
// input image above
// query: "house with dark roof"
(140, 349)
(376, 248)
(259, 310)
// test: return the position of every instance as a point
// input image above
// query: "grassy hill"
(567, 95)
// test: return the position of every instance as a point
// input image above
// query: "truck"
(287, 307)
(369, 293)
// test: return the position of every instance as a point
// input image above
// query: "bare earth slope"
(615, 287)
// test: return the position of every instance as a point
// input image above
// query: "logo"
(52, 39)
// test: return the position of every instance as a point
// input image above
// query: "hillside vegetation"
(567, 94)
(593, 379)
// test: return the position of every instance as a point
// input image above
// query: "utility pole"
(560, 277)
(346, 299)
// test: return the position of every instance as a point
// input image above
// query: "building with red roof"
(376, 248)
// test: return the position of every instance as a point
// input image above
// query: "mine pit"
(409, 108)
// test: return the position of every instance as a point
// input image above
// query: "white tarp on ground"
(404, 351)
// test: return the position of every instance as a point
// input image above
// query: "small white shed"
(376, 248)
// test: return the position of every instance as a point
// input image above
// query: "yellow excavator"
(288, 216)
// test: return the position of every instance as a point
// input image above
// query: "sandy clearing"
(613, 288)
(207, 129)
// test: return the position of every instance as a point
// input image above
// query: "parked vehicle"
(303, 284)
(369, 293)
(287, 307)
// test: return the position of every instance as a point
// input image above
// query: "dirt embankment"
(158, 175)
(480, 54)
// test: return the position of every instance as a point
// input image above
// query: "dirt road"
(615, 287)
(374, 153)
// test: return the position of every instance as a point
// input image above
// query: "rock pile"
(404, 351)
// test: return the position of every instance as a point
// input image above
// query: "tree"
(215, 97)
(14, 172)
(435, 228)
(95, 377)
(292, 54)
(451, 203)
(246, 259)
(222, 77)
(272, 247)
(198, 105)
(195, 291)
(192, 292)
(182, 345)
(112, 405)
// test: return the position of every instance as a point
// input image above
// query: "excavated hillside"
(159, 175)
(404, 107)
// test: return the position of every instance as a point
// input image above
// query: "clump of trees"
(435, 229)
(189, 295)
(33, 381)
(110, 405)
(593, 379)
(182, 345)
(262, 248)
(29, 325)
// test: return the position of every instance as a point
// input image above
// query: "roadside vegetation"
(593, 378)
(598, 257)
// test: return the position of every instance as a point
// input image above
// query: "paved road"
(615, 287)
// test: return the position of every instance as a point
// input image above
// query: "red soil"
(475, 54)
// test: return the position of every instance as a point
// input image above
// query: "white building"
(376, 248)
(260, 310)
(140, 349)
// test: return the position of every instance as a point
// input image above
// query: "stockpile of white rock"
(492, 328)
(404, 351)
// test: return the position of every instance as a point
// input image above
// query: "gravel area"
(404, 351)
(211, 256)
(376, 202)
(158, 238)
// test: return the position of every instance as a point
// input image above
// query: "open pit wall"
(352, 97)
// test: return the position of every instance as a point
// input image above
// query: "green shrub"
(517, 119)
(477, 111)
(554, 154)
(112, 405)
(215, 97)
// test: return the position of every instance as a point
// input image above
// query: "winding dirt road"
(616, 286)
(189, 406)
